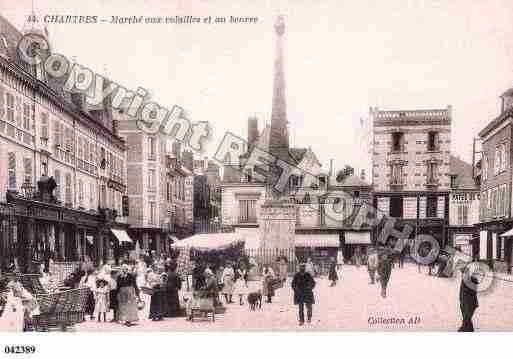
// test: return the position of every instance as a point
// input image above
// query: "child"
(101, 295)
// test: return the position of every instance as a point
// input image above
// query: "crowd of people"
(115, 292)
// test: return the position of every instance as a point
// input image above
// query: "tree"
(344, 173)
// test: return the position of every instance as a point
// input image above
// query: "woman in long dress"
(172, 287)
(267, 283)
(140, 271)
(89, 281)
(12, 313)
(128, 295)
(227, 279)
(157, 303)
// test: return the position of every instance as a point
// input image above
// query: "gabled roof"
(463, 172)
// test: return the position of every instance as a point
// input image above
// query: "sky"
(341, 57)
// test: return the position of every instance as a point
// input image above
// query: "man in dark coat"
(468, 300)
(385, 262)
(303, 285)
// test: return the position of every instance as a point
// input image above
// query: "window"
(80, 148)
(397, 142)
(485, 168)
(322, 182)
(26, 116)
(91, 195)
(396, 207)
(57, 133)
(68, 195)
(494, 202)
(484, 203)
(153, 213)
(463, 214)
(92, 151)
(247, 211)
(10, 107)
(397, 174)
(11, 166)
(151, 148)
(432, 173)
(86, 149)
(431, 206)
(151, 180)
(432, 144)
(497, 161)
(168, 191)
(44, 126)
(80, 193)
(453, 181)
(57, 178)
(44, 168)
(27, 169)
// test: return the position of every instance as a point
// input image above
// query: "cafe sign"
(465, 196)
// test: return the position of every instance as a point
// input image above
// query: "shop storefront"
(33, 231)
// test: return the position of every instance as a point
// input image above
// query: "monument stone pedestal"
(277, 229)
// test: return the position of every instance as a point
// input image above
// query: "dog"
(254, 299)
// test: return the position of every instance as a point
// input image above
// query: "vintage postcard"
(294, 166)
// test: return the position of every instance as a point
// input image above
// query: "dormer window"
(433, 141)
(322, 182)
(397, 142)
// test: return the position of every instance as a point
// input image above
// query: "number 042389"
(19, 349)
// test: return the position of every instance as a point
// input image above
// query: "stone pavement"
(415, 302)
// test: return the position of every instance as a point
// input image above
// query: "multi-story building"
(159, 189)
(463, 207)
(495, 207)
(62, 178)
(207, 198)
(411, 168)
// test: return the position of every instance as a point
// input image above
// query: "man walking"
(303, 285)
(372, 264)
(468, 299)
(385, 262)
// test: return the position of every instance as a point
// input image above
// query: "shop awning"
(209, 241)
(121, 235)
(508, 233)
(317, 240)
(357, 237)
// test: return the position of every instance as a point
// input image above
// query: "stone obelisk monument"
(278, 215)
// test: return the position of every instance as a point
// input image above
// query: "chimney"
(362, 175)
(188, 160)
(252, 132)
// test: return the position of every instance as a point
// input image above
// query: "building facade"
(62, 179)
(464, 199)
(411, 168)
(160, 189)
(495, 201)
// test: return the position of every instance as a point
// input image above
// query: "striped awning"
(317, 240)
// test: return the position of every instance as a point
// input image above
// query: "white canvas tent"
(217, 241)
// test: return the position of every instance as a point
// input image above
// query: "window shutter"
(44, 125)
(57, 133)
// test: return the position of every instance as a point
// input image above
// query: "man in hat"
(468, 298)
(303, 285)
